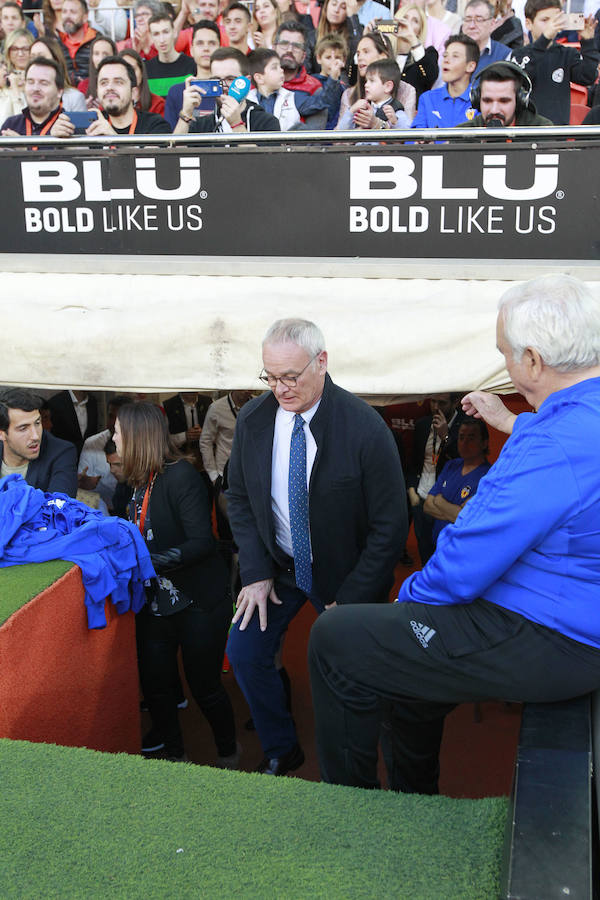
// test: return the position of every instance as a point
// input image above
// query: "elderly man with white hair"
(509, 605)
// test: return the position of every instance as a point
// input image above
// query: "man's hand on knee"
(255, 596)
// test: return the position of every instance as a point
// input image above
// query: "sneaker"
(230, 762)
(152, 742)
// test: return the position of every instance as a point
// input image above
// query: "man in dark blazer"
(44, 461)
(341, 549)
(186, 412)
(65, 422)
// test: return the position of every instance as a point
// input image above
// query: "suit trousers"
(252, 654)
(404, 666)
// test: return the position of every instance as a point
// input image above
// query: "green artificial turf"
(19, 584)
(80, 824)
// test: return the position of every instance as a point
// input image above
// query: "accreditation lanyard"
(47, 126)
(145, 502)
(131, 127)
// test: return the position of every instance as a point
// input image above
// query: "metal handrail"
(397, 136)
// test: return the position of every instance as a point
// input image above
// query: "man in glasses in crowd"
(290, 44)
(317, 506)
(478, 23)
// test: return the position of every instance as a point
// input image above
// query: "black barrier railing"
(327, 138)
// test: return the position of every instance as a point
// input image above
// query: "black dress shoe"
(279, 765)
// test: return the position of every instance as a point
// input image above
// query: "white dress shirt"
(80, 411)
(280, 468)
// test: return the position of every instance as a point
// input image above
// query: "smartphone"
(212, 90)
(575, 22)
(81, 120)
(386, 26)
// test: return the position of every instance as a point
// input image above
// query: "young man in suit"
(43, 460)
(74, 416)
(317, 507)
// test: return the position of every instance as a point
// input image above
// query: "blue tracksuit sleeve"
(522, 500)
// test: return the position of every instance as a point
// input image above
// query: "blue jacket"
(437, 109)
(496, 53)
(529, 540)
(112, 556)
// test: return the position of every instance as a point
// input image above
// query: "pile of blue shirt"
(113, 558)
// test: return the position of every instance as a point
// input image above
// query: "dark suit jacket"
(64, 419)
(55, 469)
(357, 500)
(176, 413)
(447, 450)
(180, 516)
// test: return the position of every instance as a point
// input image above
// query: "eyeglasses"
(475, 20)
(290, 45)
(227, 82)
(20, 50)
(286, 380)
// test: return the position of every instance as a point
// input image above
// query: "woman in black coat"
(189, 605)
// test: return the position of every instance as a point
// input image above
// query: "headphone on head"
(510, 70)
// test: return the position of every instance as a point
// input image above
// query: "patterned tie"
(298, 504)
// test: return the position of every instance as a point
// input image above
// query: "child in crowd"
(552, 66)
(331, 53)
(267, 76)
(379, 109)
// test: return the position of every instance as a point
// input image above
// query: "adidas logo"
(423, 633)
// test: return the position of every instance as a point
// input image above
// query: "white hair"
(296, 331)
(558, 316)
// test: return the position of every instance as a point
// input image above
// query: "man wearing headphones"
(502, 94)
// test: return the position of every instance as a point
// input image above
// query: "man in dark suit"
(44, 461)
(74, 416)
(186, 412)
(317, 507)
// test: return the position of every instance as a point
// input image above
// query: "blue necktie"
(298, 504)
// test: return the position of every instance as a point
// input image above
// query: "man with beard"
(290, 44)
(44, 461)
(117, 92)
(44, 85)
(77, 37)
(230, 116)
(502, 95)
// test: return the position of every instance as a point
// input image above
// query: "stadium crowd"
(101, 67)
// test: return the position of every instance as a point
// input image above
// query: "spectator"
(331, 56)
(189, 606)
(16, 56)
(101, 47)
(141, 42)
(74, 416)
(169, 63)
(502, 93)
(229, 116)
(94, 471)
(289, 12)
(373, 46)
(446, 106)
(77, 37)
(509, 29)
(478, 23)
(459, 479)
(436, 9)
(185, 413)
(72, 99)
(217, 432)
(147, 101)
(552, 66)
(269, 93)
(119, 503)
(43, 92)
(43, 460)
(11, 19)
(107, 20)
(236, 21)
(193, 12)
(379, 109)
(418, 63)
(205, 41)
(436, 32)
(335, 21)
(266, 21)
(367, 10)
(117, 93)
(290, 44)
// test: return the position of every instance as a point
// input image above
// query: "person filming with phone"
(233, 113)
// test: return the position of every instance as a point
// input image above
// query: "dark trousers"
(252, 654)
(423, 531)
(201, 634)
(404, 666)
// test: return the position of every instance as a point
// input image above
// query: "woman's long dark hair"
(145, 98)
(93, 72)
(146, 445)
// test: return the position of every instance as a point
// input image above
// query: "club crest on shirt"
(465, 492)
(470, 114)
(558, 76)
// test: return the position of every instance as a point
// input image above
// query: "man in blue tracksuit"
(509, 605)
